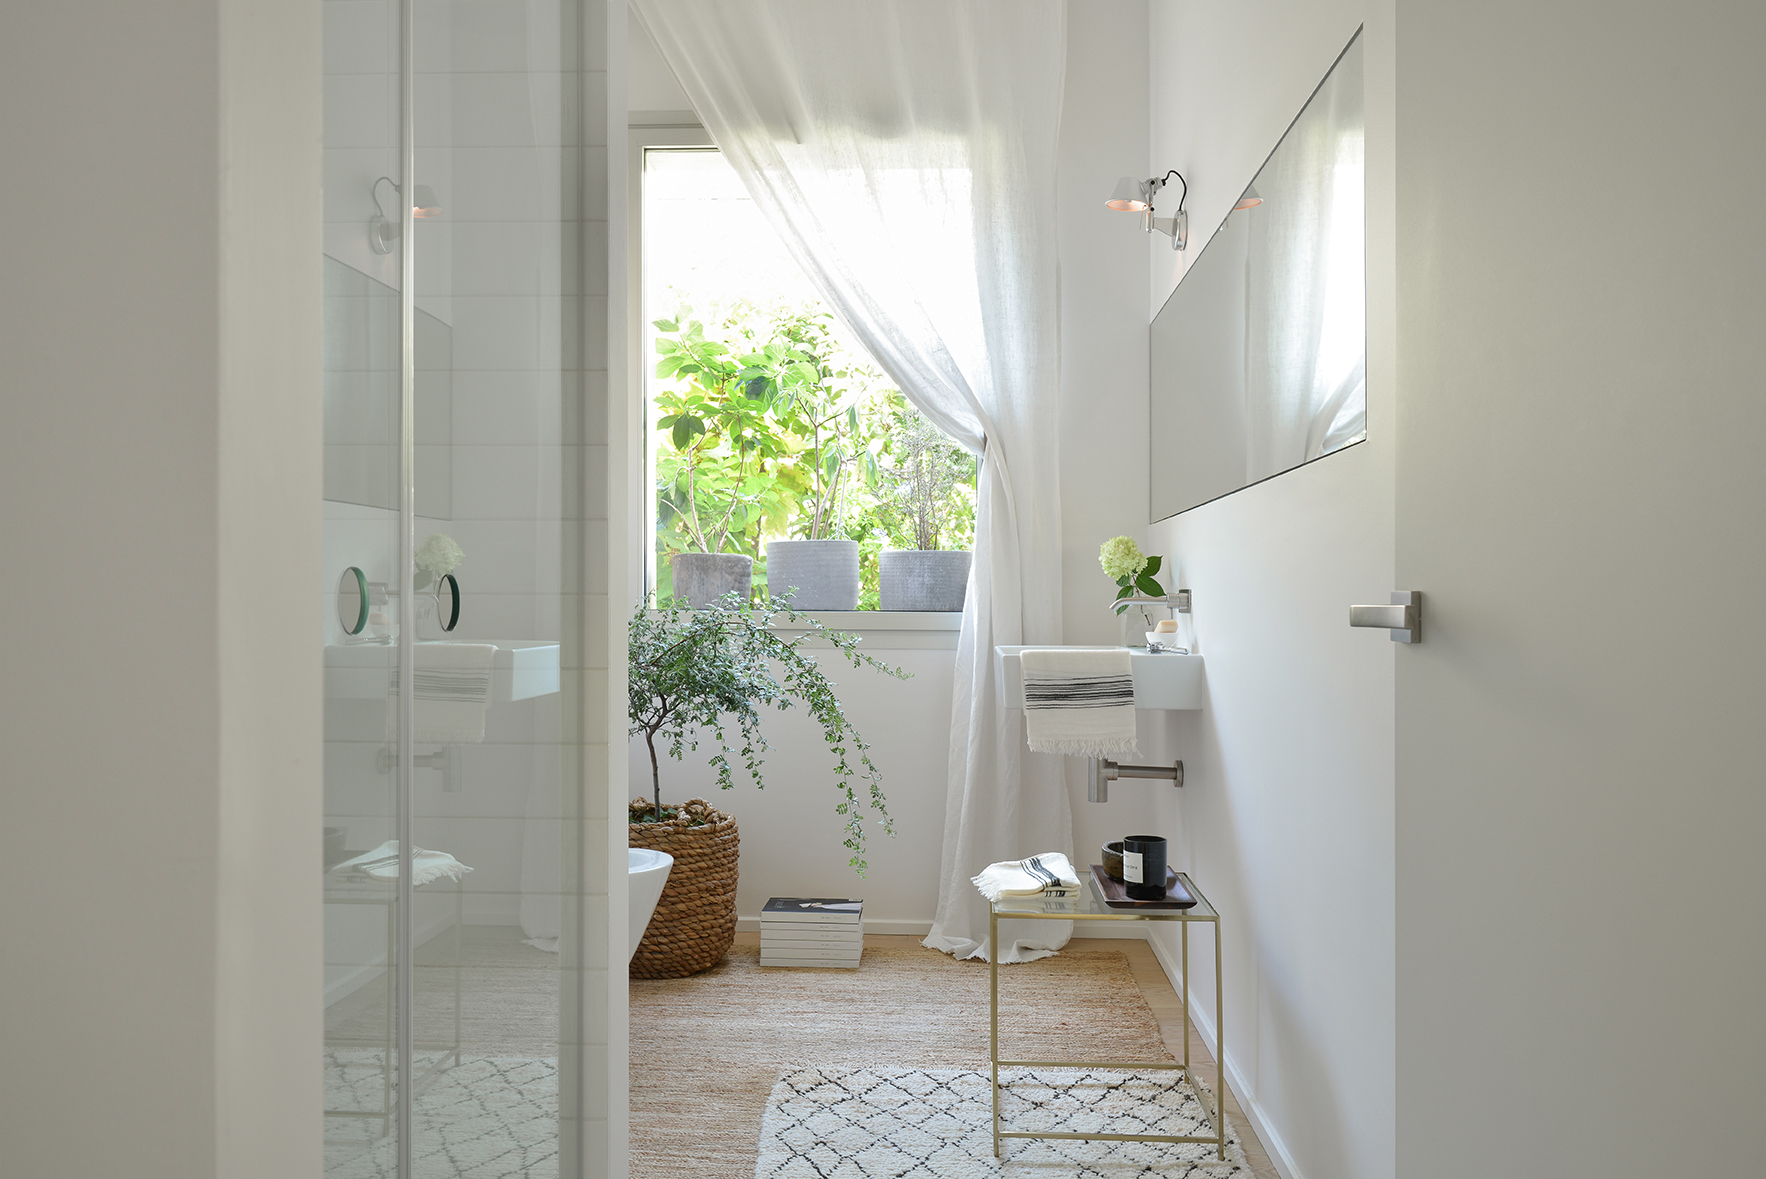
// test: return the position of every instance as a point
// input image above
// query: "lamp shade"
(1250, 200)
(1130, 196)
(426, 204)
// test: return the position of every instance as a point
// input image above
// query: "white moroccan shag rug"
(489, 1117)
(938, 1124)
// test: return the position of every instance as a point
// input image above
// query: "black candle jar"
(1143, 866)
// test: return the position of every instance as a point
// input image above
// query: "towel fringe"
(1085, 747)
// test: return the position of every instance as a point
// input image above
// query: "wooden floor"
(1162, 998)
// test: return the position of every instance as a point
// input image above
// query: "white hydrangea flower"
(439, 555)
(1121, 557)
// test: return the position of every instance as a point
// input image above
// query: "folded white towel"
(1044, 872)
(1080, 703)
(452, 685)
(383, 864)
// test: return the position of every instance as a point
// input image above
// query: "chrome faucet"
(1176, 602)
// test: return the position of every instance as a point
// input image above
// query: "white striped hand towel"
(452, 683)
(1079, 702)
(1044, 872)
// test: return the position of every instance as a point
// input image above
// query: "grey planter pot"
(824, 572)
(916, 580)
(703, 578)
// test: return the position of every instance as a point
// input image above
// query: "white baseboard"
(906, 926)
(1203, 1022)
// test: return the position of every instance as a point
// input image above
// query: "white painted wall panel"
(1286, 815)
(1582, 408)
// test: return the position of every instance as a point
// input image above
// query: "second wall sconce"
(1137, 196)
(383, 231)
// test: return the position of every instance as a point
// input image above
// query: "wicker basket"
(695, 920)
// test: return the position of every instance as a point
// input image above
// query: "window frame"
(884, 630)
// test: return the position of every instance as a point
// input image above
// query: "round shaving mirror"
(352, 601)
(447, 602)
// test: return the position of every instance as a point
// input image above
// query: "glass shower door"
(363, 371)
(453, 420)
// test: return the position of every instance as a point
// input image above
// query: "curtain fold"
(905, 152)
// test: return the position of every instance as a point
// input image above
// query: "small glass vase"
(427, 609)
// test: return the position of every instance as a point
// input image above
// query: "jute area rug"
(706, 1051)
(938, 1124)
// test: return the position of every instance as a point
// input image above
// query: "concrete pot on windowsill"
(924, 579)
(824, 573)
(703, 578)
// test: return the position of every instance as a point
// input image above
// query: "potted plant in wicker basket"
(701, 674)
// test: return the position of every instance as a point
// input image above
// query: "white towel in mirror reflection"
(452, 687)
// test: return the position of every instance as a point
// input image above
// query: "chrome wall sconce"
(383, 230)
(1137, 196)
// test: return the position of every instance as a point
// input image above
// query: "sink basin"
(520, 670)
(1161, 681)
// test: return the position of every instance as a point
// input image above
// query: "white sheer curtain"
(905, 152)
(1305, 284)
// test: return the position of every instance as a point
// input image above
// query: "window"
(767, 420)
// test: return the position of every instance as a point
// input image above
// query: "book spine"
(844, 927)
(798, 934)
(801, 951)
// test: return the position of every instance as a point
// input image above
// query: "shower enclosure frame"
(404, 816)
(591, 1049)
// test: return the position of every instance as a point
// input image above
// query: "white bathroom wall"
(1580, 494)
(1104, 263)
(159, 492)
(791, 837)
(650, 85)
(1286, 815)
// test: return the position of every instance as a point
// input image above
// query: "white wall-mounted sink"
(520, 670)
(1160, 681)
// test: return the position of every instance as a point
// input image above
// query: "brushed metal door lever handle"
(1403, 618)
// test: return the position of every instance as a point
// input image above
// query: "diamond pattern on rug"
(868, 1123)
(489, 1117)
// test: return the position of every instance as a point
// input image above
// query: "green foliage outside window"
(770, 426)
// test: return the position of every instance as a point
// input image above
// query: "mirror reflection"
(361, 351)
(1259, 356)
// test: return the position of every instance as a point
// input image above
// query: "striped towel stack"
(1044, 874)
(1079, 702)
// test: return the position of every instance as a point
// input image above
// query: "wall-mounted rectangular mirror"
(361, 350)
(1259, 355)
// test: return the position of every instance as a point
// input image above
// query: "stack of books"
(812, 931)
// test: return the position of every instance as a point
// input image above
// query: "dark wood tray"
(1115, 892)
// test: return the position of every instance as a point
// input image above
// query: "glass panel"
(492, 788)
(361, 395)
(494, 798)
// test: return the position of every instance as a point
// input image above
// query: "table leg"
(386, 1060)
(993, 1004)
(1184, 926)
(459, 919)
(1219, 1050)
(993, 1012)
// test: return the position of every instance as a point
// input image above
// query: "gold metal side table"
(1088, 906)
